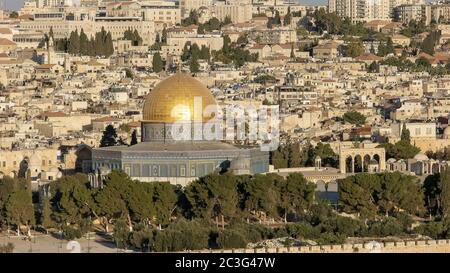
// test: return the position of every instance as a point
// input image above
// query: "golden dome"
(172, 100)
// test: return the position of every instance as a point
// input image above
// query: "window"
(136, 170)
(429, 131)
(417, 131)
(173, 170)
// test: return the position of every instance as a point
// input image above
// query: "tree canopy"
(354, 117)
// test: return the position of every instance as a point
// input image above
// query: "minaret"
(50, 50)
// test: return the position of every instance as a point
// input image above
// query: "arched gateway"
(353, 160)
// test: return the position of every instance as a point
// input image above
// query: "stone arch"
(83, 159)
(359, 164)
(349, 164)
(377, 157)
(320, 186)
(436, 168)
(332, 186)
(355, 153)
(13, 174)
(366, 161)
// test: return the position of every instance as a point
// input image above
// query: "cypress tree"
(84, 44)
(205, 53)
(74, 43)
(164, 36)
(137, 38)
(157, 63)
(109, 137)
(109, 47)
(287, 17)
(194, 66)
(133, 138)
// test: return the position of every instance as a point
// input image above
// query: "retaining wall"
(422, 246)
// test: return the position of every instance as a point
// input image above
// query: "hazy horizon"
(17, 4)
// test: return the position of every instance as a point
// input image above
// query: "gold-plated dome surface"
(173, 99)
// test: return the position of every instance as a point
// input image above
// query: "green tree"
(19, 209)
(204, 53)
(191, 20)
(74, 43)
(213, 196)
(109, 47)
(386, 48)
(294, 155)
(261, 194)
(121, 234)
(99, 47)
(296, 194)
(276, 18)
(231, 239)
(165, 198)
(7, 186)
(13, 15)
(405, 135)
(84, 44)
(355, 49)
(326, 154)
(129, 73)
(109, 137)
(137, 38)
(51, 34)
(278, 160)
(269, 24)
(194, 66)
(356, 194)
(164, 36)
(430, 42)
(287, 18)
(142, 238)
(186, 53)
(374, 67)
(381, 193)
(432, 194)
(227, 20)
(354, 117)
(134, 140)
(157, 63)
(444, 194)
(45, 219)
(73, 202)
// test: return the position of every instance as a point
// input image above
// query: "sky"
(17, 4)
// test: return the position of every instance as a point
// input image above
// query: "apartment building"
(237, 12)
(368, 10)
(407, 13)
(187, 5)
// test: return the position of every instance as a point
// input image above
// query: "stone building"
(161, 156)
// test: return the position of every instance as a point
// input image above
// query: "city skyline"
(17, 4)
